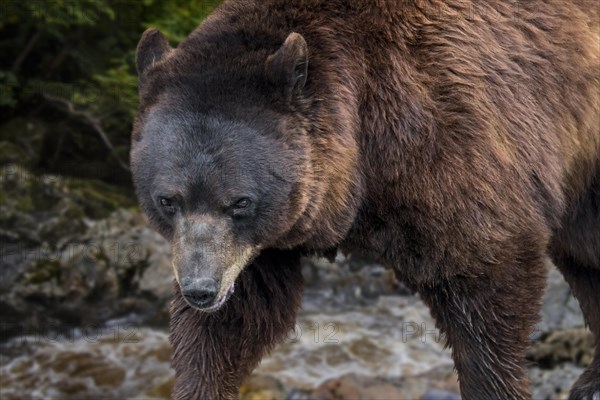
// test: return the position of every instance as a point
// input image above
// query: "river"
(395, 336)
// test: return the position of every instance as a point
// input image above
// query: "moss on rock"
(47, 208)
(44, 270)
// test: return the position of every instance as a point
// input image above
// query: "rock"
(574, 346)
(52, 209)
(553, 384)
(140, 257)
(69, 259)
(261, 387)
(437, 382)
(352, 387)
(299, 394)
(559, 357)
(349, 281)
(435, 394)
(560, 309)
(161, 391)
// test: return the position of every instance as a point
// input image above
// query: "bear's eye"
(167, 204)
(241, 208)
(242, 203)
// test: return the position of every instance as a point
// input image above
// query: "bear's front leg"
(487, 319)
(214, 352)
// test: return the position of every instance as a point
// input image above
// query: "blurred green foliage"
(67, 77)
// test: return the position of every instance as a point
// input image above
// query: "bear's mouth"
(220, 301)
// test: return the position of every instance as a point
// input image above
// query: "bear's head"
(221, 159)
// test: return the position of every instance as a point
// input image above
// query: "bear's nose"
(200, 292)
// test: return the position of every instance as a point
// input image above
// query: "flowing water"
(392, 337)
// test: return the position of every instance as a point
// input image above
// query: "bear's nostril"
(200, 293)
(201, 298)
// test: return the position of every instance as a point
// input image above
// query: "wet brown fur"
(456, 141)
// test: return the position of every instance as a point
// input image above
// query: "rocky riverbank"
(83, 303)
(69, 259)
(367, 352)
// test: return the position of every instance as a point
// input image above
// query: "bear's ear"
(287, 68)
(152, 48)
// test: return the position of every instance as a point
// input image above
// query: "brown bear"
(454, 141)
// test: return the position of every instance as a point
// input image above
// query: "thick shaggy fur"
(457, 142)
(214, 352)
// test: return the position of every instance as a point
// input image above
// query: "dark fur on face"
(220, 163)
(456, 142)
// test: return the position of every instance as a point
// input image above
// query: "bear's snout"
(200, 292)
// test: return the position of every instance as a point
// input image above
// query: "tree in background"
(67, 79)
